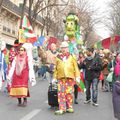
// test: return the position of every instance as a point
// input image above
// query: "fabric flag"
(99, 45)
(40, 41)
(117, 39)
(106, 43)
(26, 24)
(26, 34)
(81, 87)
(22, 38)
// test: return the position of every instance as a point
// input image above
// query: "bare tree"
(113, 19)
(23, 11)
(87, 16)
(38, 6)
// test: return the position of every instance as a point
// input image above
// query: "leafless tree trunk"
(23, 11)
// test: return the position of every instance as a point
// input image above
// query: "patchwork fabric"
(65, 93)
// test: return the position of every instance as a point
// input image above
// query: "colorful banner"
(26, 34)
(22, 38)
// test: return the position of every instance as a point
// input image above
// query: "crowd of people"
(65, 69)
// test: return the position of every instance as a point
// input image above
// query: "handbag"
(110, 77)
(101, 77)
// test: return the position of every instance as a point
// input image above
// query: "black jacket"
(92, 67)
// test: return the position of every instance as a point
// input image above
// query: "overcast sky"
(103, 9)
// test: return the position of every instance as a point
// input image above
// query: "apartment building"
(10, 16)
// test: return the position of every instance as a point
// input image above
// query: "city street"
(38, 108)
(59, 36)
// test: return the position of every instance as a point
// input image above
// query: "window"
(4, 28)
(8, 30)
(13, 32)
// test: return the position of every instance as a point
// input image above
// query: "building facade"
(10, 17)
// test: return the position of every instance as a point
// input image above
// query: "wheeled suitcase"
(52, 95)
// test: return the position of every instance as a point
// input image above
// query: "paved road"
(38, 108)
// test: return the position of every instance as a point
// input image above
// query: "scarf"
(89, 57)
(64, 56)
(117, 68)
(20, 63)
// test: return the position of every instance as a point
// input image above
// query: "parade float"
(73, 36)
(72, 33)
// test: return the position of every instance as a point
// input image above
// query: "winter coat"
(92, 67)
(109, 69)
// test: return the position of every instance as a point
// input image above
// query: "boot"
(75, 93)
(19, 102)
(70, 110)
(59, 112)
(24, 102)
(75, 102)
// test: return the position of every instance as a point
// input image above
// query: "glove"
(54, 81)
(78, 80)
(112, 69)
(33, 82)
(8, 80)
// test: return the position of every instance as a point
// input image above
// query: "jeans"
(94, 90)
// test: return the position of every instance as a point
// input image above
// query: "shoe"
(75, 102)
(24, 104)
(95, 104)
(70, 110)
(105, 91)
(19, 104)
(59, 112)
(87, 101)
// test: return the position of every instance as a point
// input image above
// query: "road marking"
(31, 114)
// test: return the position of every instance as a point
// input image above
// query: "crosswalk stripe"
(31, 114)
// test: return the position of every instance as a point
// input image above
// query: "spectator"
(92, 65)
(116, 85)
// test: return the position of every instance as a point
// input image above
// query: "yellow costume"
(66, 71)
(67, 68)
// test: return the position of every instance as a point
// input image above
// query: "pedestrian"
(48, 60)
(3, 65)
(51, 60)
(92, 66)
(66, 71)
(19, 73)
(116, 85)
(101, 78)
(105, 72)
(81, 58)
